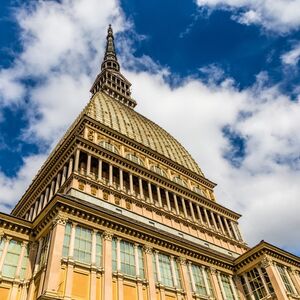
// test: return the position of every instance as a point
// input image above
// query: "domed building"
(121, 211)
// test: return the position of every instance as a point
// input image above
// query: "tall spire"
(110, 60)
(110, 80)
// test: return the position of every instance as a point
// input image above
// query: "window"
(109, 146)
(159, 171)
(11, 259)
(135, 159)
(98, 250)
(67, 239)
(83, 245)
(165, 269)
(225, 281)
(2, 241)
(24, 263)
(127, 258)
(256, 284)
(197, 274)
(180, 181)
(285, 278)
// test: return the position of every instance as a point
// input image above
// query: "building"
(120, 210)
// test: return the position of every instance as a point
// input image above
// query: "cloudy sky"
(222, 76)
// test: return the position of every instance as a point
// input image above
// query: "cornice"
(11, 223)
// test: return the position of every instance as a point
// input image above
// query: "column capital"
(107, 235)
(148, 249)
(213, 270)
(60, 219)
(266, 262)
(181, 260)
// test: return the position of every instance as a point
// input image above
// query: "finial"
(110, 60)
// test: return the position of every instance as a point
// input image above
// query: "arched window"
(158, 170)
(180, 181)
(109, 146)
(135, 159)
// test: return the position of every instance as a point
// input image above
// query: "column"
(64, 175)
(192, 277)
(158, 196)
(46, 198)
(174, 275)
(234, 231)
(93, 280)
(185, 278)
(88, 164)
(199, 214)
(52, 276)
(57, 186)
(227, 227)
(121, 179)
(176, 204)
(184, 208)
(296, 279)
(248, 286)
(77, 155)
(131, 183)
(204, 274)
(99, 169)
(214, 220)
(220, 284)
(51, 189)
(233, 288)
(110, 175)
(168, 200)
(149, 271)
(192, 211)
(221, 224)
(157, 267)
(137, 272)
(290, 279)
(41, 202)
(215, 283)
(38, 256)
(240, 289)
(150, 192)
(206, 217)
(263, 280)
(70, 167)
(5, 248)
(118, 254)
(141, 188)
(107, 251)
(35, 210)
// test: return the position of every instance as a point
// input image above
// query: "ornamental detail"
(181, 260)
(266, 262)
(148, 249)
(60, 219)
(107, 235)
(90, 135)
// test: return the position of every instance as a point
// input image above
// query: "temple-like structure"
(120, 210)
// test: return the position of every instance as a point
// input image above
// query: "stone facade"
(120, 210)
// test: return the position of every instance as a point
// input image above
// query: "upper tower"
(110, 80)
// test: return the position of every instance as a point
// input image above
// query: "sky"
(222, 76)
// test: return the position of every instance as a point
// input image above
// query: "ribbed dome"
(133, 125)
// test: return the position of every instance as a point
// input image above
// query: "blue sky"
(221, 75)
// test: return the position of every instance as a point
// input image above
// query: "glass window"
(109, 146)
(83, 245)
(225, 281)
(285, 279)
(141, 262)
(114, 255)
(67, 239)
(24, 263)
(98, 250)
(267, 280)
(178, 278)
(180, 181)
(165, 269)
(256, 284)
(199, 280)
(2, 241)
(127, 258)
(135, 159)
(11, 259)
(159, 171)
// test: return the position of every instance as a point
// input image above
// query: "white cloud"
(292, 57)
(264, 188)
(279, 15)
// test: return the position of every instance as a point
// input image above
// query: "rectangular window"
(67, 239)
(127, 258)
(199, 280)
(24, 263)
(177, 274)
(11, 259)
(285, 279)
(114, 255)
(83, 245)
(225, 281)
(141, 262)
(98, 250)
(165, 270)
(256, 284)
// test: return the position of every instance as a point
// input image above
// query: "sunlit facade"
(120, 210)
